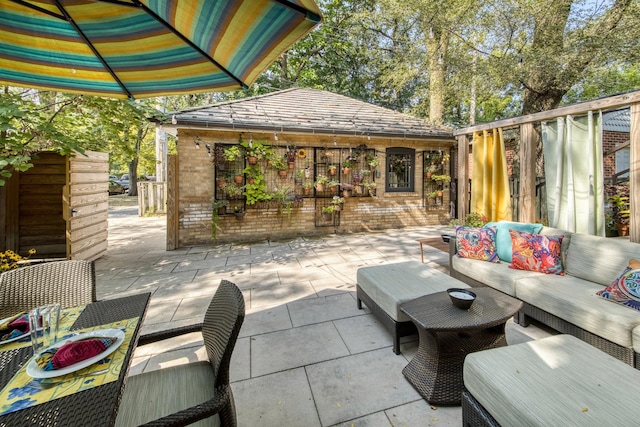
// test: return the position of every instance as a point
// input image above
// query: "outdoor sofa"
(567, 303)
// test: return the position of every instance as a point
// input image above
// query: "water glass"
(43, 326)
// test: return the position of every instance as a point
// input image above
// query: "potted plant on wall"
(441, 178)
(291, 157)
(254, 151)
(430, 171)
(333, 185)
(347, 165)
(308, 185)
(432, 197)
(231, 154)
(232, 190)
(321, 181)
(327, 212)
(280, 165)
(332, 169)
(346, 189)
(337, 203)
(372, 161)
(371, 188)
(252, 172)
(239, 212)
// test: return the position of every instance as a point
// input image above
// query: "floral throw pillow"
(536, 252)
(625, 289)
(477, 243)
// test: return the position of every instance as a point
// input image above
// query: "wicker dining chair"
(193, 392)
(69, 282)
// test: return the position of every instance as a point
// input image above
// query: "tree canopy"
(453, 62)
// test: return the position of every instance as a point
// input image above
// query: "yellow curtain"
(489, 180)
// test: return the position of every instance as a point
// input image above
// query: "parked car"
(124, 181)
(116, 188)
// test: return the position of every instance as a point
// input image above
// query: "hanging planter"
(282, 173)
(252, 160)
(238, 179)
(333, 169)
(239, 212)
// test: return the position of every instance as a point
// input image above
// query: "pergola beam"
(463, 177)
(634, 174)
(527, 198)
(528, 153)
(575, 109)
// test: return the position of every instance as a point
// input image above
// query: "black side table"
(447, 334)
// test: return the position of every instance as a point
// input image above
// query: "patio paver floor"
(306, 356)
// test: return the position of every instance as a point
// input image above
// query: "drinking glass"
(43, 326)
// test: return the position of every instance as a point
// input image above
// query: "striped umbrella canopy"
(146, 48)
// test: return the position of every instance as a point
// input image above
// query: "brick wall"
(387, 210)
(609, 141)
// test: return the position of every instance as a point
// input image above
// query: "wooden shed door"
(86, 205)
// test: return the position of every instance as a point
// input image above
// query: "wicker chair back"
(70, 283)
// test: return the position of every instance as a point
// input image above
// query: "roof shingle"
(303, 110)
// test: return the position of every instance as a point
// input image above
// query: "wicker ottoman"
(383, 288)
(555, 381)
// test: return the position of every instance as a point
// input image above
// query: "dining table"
(88, 396)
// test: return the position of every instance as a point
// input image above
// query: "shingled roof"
(302, 110)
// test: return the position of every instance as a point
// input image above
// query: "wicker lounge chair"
(69, 283)
(188, 393)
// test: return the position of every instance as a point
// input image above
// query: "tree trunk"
(556, 64)
(436, 41)
(133, 177)
(133, 165)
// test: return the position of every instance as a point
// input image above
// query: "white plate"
(34, 371)
(19, 337)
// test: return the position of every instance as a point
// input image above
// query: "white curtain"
(573, 168)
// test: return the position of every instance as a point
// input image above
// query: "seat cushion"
(390, 285)
(498, 276)
(554, 381)
(599, 259)
(575, 300)
(155, 394)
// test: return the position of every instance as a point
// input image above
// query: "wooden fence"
(152, 197)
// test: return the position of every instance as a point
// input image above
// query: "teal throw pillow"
(503, 237)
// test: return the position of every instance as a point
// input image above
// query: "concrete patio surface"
(306, 356)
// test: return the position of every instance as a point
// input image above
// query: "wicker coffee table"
(448, 334)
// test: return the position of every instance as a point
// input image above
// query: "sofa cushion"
(575, 300)
(599, 259)
(536, 252)
(625, 289)
(551, 231)
(554, 381)
(390, 285)
(503, 238)
(498, 276)
(477, 243)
